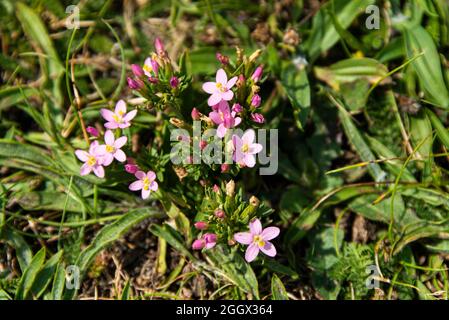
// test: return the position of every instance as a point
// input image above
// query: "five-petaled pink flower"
(146, 183)
(93, 160)
(225, 119)
(257, 239)
(111, 148)
(119, 118)
(221, 89)
(245, 149)
(150, 67)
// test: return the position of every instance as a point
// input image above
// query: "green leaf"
(172, 237)
(45, 275)
(297, 87)
(29, 276)
(442, 132)
(23, 252)
(277, 289)
(59, 282)
(427, 67)
(234, 268)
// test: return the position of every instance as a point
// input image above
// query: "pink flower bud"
(224, 60)
(241, 81)
(220, 214)
(195, 114)
(93, 132)
(257, 75)
(153, 79)
(137, 71)
(174, 82)
(216, 188)
(224, 167)
(131, 168)
(203, 144)
(210, 239)
(201, 225)
(237, 108)
(198, 244)
(135, 84)
(159, 46)
(257, 118)
(256, 100)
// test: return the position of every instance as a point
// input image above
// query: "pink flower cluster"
(100, 156)
(207, 240)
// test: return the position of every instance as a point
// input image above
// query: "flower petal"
(82, 155)
(107, 159)
(109, 137)
(99, 171)
(209, 87)
(107, 114)
(145, 193)
(221, 77)
(237, 121)
(270, 233)
(120, 142)
(249, 160)
(130, 115)
(151, 175)
(228, 95)
(255, 227)
(252, 252)
(268, 249)
(136, 185)
(140, 175)
(255, 148)
(124, 125)
(111, 125)
(221, 130)
(120, 155)
(215, 117)
(214, 99)
(231, 82)
(248, 136)
(85, 169)
(120, 107)
(154, 186)
(243, 237)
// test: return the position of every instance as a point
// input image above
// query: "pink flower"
(119, 118)
(221, 89)
(137, 71)
(159, 46)
(245, 148)
(211, 240)
(146, 183)
(256, 100)
(225, 119)
(201, 225)
(174, 82)
(220, 214)
(257, 118)
(93, 132)
(111, 148)
(216, 188)
(257, 239)
(150, 67)
(131, 166)
(257, 74)
(93, 160)
(198, 244)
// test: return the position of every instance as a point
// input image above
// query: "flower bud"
(257, 75)
(201, 225)
(159, 46)
(241, 81)
(196, 115)
(256, 100)
(135, 84)
(230, 188)
(174, 82)
(131, 168)
(255, 55)
(153, 79)
(203, 144)
(177, 122)
(224, 167)
(224, 60)
(137, 71)
(216, 188)
(93, 132)
(257, 118)
(237, 108)
(210, 237)
(220, 214)
(198, 244)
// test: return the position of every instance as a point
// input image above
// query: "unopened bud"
(230, 188)
(201, 225)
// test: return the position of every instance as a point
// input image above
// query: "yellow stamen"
(91, 161)
(109, 148)
(220, 87)
(245, 148)
(259, 241)
(147, 68)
